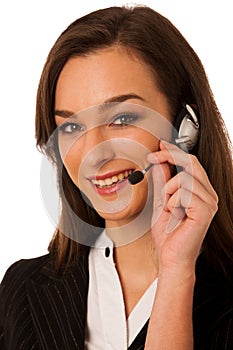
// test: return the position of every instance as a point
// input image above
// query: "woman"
(130, 266)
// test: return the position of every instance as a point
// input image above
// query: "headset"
(186, 127)
(184, 134)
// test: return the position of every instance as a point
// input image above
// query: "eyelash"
(124, 118)
(62, 128)
(130, 118)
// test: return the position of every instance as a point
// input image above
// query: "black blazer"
(41, 310)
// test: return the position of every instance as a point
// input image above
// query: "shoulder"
(40, 270)
(25, 268)
(13, 290)
(18, 274)
(29, 291)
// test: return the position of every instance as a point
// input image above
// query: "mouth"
(107, 181)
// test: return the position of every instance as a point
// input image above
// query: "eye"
(124, 119)
(70, 128)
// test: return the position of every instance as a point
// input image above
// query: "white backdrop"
(28, 29)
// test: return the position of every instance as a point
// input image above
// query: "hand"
(184, 207)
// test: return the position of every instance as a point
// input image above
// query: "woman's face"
(103, 106)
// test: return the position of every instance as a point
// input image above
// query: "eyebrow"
(105, 106)
(63, 113)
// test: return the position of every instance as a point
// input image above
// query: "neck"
(138, 255)
(126, 232)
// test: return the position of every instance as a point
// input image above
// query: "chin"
(121, 213)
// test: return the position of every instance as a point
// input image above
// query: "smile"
(113, 180)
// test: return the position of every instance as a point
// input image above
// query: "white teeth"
(101, 182)
(108, 181)
(114, 178)
(111, 180)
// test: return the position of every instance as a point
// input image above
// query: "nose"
(97, 148)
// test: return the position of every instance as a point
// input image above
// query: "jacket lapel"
(58, 306)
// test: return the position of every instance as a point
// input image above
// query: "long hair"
(181, 77)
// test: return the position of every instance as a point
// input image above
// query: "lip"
(109, 174)
(106, 191)
(115, 187)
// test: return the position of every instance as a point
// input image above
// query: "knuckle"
(194, 160)
(214, 203)
(191, 163)
(212, 210)
(207, 212)
(215, 208)
(216, 198)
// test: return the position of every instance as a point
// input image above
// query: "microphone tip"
(135, 177)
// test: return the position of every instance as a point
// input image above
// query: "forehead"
(90, 80)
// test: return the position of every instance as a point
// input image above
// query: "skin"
(183, 206)
(100, 76)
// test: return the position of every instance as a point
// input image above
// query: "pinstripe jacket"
(41, 310)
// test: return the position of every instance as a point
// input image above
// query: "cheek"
(145, 139)
(72, 160)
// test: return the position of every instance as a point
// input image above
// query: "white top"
(107, 327)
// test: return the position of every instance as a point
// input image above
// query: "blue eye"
(70, 128)
(124, 119)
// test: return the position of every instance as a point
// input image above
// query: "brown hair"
(180, 76)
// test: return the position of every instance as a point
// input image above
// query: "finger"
(195, 209)
(192, 185)
(160, 174)
(190, 164)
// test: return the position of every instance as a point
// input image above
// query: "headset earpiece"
(187, 126)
